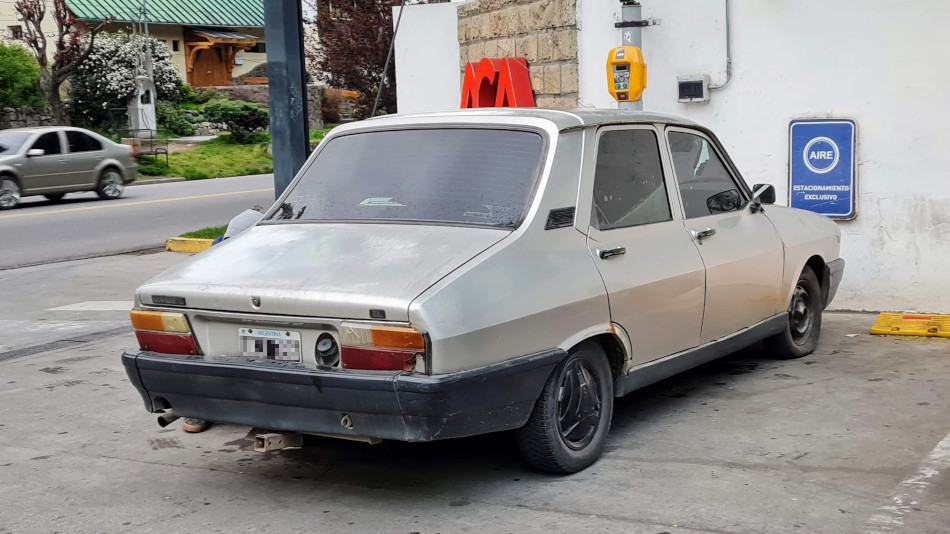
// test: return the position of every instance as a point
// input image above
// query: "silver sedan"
(437, 276)
(53, 161)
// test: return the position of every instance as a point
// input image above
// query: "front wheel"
(110, 185)
(568, 426)
(800, 337)
(9, 193)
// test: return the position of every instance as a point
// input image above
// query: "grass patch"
(212, 232)
(317, 135)
(213, 159)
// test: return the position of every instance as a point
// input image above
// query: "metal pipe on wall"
(728, 50)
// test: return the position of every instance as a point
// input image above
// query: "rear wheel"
(800, 338)
(9, 193)
(110, 184)
(55, 197)
(568, 426)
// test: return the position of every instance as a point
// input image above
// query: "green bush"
(173, 119)
(19, 78)
(241, 117)
(191, 173)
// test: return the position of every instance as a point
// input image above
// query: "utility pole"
(631, 33)
(287, 95)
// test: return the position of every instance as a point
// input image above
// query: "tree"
(106, 79)
(71, 48)
(19, 78)
(354, 38)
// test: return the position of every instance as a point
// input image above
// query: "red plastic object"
(167, 343)
(377, 359)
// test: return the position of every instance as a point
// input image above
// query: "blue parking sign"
(822, 167)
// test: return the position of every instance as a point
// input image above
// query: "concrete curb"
(158, 181)
(187, 245)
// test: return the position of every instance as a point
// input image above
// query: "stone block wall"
(544, 32)
(25, 118)
(257, 94)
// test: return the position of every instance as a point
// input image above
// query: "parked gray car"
(56, 160)
(442, 275)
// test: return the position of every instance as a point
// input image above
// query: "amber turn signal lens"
(159, 321)
(397, 338)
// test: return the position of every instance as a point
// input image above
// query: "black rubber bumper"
(835, 273)
(386, 405)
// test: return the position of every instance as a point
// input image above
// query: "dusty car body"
(55, 160)
(481, 271)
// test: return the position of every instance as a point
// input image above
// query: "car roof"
(38, 129)
(576, 118)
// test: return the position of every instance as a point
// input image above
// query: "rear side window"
(628, 180)
(705, 185)
(49, 143)
(80, 142)
(445, 175)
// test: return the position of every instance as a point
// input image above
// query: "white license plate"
(280, 345)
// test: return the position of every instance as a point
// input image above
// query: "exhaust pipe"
(166, 418)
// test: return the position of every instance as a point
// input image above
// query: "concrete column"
(286, 76)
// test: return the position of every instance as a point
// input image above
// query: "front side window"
(447, 175)
(628, 180)
(80, 142)
(48, 143)
(705, 185)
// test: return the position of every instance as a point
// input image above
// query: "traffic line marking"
(96, 305)
(127, 204)
(909, 493)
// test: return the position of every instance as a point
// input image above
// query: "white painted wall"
(873, 61)
(428, 77)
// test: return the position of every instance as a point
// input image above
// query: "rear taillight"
(380, 348)
(163, 332)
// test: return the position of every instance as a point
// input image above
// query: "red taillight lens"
(380, 348)
(167, 343)
(377, 359)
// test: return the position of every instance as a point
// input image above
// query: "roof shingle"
(220, 13)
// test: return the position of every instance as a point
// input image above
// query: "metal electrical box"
(693, 88)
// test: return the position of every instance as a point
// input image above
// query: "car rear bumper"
(835, 273)
(290, 397)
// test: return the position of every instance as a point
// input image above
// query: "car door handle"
(699, 235)
(610, 253)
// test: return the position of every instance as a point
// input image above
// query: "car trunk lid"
(322, 269)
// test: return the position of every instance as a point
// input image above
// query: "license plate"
(280, 345)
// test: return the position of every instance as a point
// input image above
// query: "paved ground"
(851, 439)
(82, 225)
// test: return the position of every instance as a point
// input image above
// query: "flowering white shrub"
(106, 79)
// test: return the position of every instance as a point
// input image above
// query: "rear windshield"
(10, 142)
(447, 175)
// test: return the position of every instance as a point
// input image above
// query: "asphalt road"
(81, 225)
(853, 438)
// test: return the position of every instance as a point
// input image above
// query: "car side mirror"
(35, 152)
(724, 202)
(764, 193)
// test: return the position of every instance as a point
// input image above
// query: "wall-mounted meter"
(693, 88)
(626, 73)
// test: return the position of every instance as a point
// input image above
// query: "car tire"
(55, 197)
(9, 193)
(800, 337)
(110, 184)
(581, 383)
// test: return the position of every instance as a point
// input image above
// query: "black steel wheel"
(570, 421)
(800, 338)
